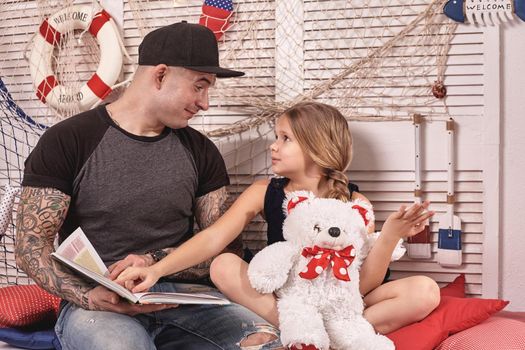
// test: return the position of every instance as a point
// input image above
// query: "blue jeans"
(186, 327)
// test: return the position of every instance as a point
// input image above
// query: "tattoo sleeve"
(40, 214)
(208, 209)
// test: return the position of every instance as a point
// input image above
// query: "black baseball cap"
(183, 44)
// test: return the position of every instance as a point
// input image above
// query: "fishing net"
(376, 60)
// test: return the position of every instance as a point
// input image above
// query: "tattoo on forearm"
(195, 272)
(84, 301)
(208, 209)
(40, 215)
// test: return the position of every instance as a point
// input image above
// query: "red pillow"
(495, 333)
(27, 305)
(451, 316)
(455, 288)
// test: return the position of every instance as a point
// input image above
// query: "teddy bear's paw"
(303, 347)
(265, 283)
(262, 284)
(384, 343)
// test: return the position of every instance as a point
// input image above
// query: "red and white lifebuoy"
(48, 88)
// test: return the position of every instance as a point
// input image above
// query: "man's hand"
(129, 261)
(102, 299)
(407, 222)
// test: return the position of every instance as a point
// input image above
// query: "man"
(134, 176)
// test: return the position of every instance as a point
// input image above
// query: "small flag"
(216, 15)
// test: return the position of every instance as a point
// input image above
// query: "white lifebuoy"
(48, 88)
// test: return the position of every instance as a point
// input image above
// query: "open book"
(80, 255)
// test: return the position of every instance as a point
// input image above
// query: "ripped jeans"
(187, 327)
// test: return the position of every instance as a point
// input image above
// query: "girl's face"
(287, 156)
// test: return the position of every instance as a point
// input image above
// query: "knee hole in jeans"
(263, 337)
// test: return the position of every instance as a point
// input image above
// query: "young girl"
(311, 152)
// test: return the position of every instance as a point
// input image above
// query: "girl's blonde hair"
(323, 134)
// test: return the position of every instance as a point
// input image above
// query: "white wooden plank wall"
(383, 166)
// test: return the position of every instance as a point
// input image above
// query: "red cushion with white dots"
(498, 332)
(451, 316)
(27, 305)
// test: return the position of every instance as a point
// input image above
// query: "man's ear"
(160, 72)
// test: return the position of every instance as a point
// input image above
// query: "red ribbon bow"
(322, 257)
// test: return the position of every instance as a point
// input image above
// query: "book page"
(191, 288)
(179, 298)
(78, 248)
(148, 297)
(78, 253)
(106, 282)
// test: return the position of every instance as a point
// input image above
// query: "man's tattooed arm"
(208, 209)
(41, 213)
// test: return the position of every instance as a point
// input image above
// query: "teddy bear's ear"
(294, 198)
(365, 213)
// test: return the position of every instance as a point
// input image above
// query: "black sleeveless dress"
(273, 207)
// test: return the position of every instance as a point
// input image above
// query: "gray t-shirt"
(129, 193)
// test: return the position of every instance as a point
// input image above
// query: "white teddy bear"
(315, 275)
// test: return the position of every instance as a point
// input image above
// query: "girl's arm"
(203, 245)
(403, 223)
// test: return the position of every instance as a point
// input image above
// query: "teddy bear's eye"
(317, 228)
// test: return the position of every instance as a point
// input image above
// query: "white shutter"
(383, 165)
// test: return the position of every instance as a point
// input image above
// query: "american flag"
(216, 15)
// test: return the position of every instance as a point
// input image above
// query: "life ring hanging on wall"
(48, 88)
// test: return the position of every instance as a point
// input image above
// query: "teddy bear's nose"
(334, 231)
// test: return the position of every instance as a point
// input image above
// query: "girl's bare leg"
(388, 307)
(398, 303)
(230, 275)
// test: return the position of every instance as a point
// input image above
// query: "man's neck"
(133, 118)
